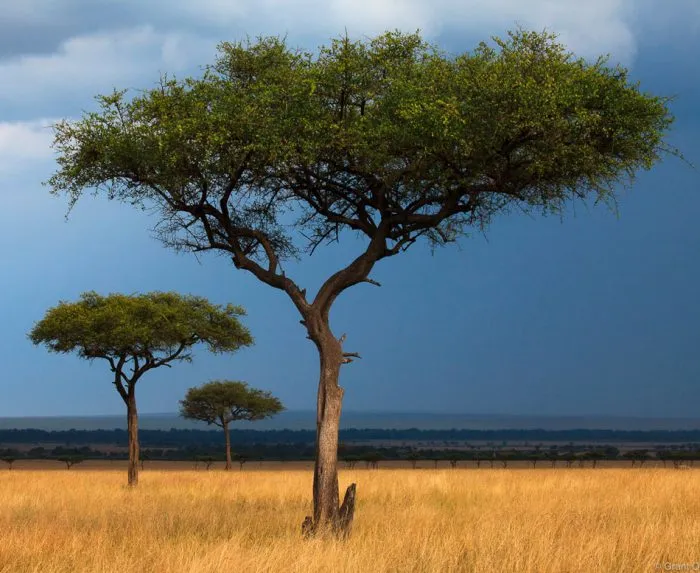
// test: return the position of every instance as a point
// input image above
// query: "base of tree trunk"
(342, 527)
(347, 512)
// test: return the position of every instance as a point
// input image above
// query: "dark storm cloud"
(596, 315)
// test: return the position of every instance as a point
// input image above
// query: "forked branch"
(348, 356)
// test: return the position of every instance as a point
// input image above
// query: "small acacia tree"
(138, 333)
(70, 461)
(274, 152)
(221, 402)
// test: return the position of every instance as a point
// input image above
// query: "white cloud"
(65, 82)
(589, 28)
(23, 143)
(86, 65)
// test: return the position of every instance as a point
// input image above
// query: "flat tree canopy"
(391, 135)
(138, 333)
(220, 402)
(145, 330)
(274, 152)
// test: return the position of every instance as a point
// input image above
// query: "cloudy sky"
(594, 313)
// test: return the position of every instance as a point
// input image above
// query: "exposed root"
(342, 527)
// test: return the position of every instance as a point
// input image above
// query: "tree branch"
(357, 271)
(118, 375)
(348, 356)
(180, 349)
(233, 182)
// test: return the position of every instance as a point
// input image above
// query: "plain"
(542, 520)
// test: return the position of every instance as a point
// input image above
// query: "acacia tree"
(221, 402)
(70, 461)
(138, 333)
(274, 152)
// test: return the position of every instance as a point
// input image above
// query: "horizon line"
(387, 412)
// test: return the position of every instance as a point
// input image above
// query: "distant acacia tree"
(635, 456)
(372, 459)
(414, 457)
(241, 459)
(351, 461)
(505, 456)
(595, 456)
(275, 152)
(679, 458)
(534, 457)
(221, 402)
(138, 333)
(9, 461)
(70, 461)
(206, 460)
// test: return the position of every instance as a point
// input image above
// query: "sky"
(592, 313)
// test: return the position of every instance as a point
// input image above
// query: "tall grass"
(562, 520)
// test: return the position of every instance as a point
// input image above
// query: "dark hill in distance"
(306, 420)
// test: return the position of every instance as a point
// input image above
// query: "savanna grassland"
(425, 520)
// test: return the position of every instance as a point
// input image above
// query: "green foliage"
(388, 137)
(223, 401)
(140, 326)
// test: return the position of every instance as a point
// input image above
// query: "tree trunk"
(133, 429)
(328, 408)
(228, 446)
(328, 515)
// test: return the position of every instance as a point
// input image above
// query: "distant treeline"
(176, 438)
(372, 456)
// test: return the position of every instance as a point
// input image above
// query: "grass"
(563, 520)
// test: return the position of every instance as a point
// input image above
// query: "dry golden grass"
(542, 520)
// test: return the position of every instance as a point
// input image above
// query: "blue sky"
(593, 313)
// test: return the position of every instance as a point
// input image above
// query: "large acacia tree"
(221, 402)
(138, 333)
(274, 152)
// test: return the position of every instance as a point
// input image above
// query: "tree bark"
(133, 430)
(328, 515)
(228, 446)
(328, 409)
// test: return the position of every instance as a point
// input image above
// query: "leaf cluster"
(220, 402)
(275, 151)
(149, 327)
